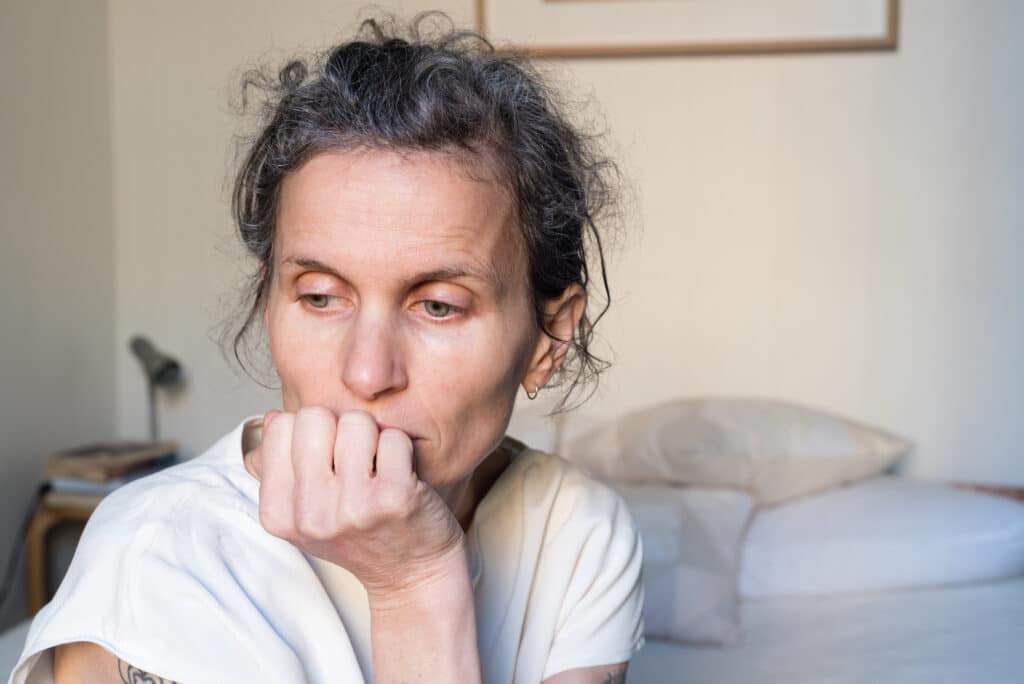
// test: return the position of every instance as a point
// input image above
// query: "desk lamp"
(159, 368)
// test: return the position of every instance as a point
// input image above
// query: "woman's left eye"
(436, 309)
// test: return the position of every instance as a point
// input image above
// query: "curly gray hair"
(431, 87)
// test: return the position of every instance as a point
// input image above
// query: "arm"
(429, 632)
(83, 662)
(600, 674)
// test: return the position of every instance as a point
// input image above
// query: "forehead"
(389, 213)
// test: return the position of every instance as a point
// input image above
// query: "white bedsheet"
(972, 634)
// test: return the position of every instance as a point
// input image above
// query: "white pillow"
(777, 450)
(692, 540)
(883, 533)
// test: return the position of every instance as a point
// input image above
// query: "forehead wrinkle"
(497, 266)
(462, 263)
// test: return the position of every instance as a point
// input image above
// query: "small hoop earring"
(533, 395)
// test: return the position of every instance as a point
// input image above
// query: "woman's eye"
(434, 308)
(437, 309)
(317, 301)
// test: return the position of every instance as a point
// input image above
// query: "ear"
(562, 316)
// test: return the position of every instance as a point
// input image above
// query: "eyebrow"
(488, 275)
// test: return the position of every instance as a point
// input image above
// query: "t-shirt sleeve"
(601, 620)
(138, 588)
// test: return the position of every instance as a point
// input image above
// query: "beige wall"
(843, 230)
(57, 268)
(837, 229)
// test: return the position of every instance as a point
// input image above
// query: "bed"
(841, 570)
(957, 634)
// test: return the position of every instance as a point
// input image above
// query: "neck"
(464, 496)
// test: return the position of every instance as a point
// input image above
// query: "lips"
(385, 426)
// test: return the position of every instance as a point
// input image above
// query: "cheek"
(473, 365)
(301, 373)
(471, 397)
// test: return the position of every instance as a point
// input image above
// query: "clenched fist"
(338, 488)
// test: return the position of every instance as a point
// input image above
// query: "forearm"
(427, 632)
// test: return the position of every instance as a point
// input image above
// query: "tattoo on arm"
(133, 675)
(617, 677)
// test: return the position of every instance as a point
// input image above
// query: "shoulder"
(571, 497)
(215, 478)
(159, 522)
(199, 491)
(188, 502)
(162, 561)
(572, 519)
(202, 513)
(588, 567)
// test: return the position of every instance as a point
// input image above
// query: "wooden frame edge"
(888, 42)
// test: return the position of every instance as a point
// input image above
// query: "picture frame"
(629, 28)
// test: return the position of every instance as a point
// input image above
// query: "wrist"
(425, 584)
(425, 630)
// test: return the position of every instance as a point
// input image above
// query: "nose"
(373, 364)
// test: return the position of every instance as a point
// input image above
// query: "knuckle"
(316, 414)
(358, 515)
(283, 418)
(280, 424)
(313, 522)
(394, 502)
(357, 417)
(272, 520)
(395, 437)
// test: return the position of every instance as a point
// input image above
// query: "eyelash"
(451, 307)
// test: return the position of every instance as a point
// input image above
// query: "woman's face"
(399, 288)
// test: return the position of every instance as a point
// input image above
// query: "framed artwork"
(616, 28)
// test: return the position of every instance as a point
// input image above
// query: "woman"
(417, 209)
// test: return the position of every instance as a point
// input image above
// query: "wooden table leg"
(35, 558)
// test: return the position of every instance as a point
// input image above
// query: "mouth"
(385, 426)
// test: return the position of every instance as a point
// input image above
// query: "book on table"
(74, 485)
(105, 462)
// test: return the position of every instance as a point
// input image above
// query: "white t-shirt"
(175, 575)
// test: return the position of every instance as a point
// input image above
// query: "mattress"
(969, 633)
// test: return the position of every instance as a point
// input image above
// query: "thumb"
(253, 458)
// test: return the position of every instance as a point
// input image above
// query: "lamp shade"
(159, 368)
